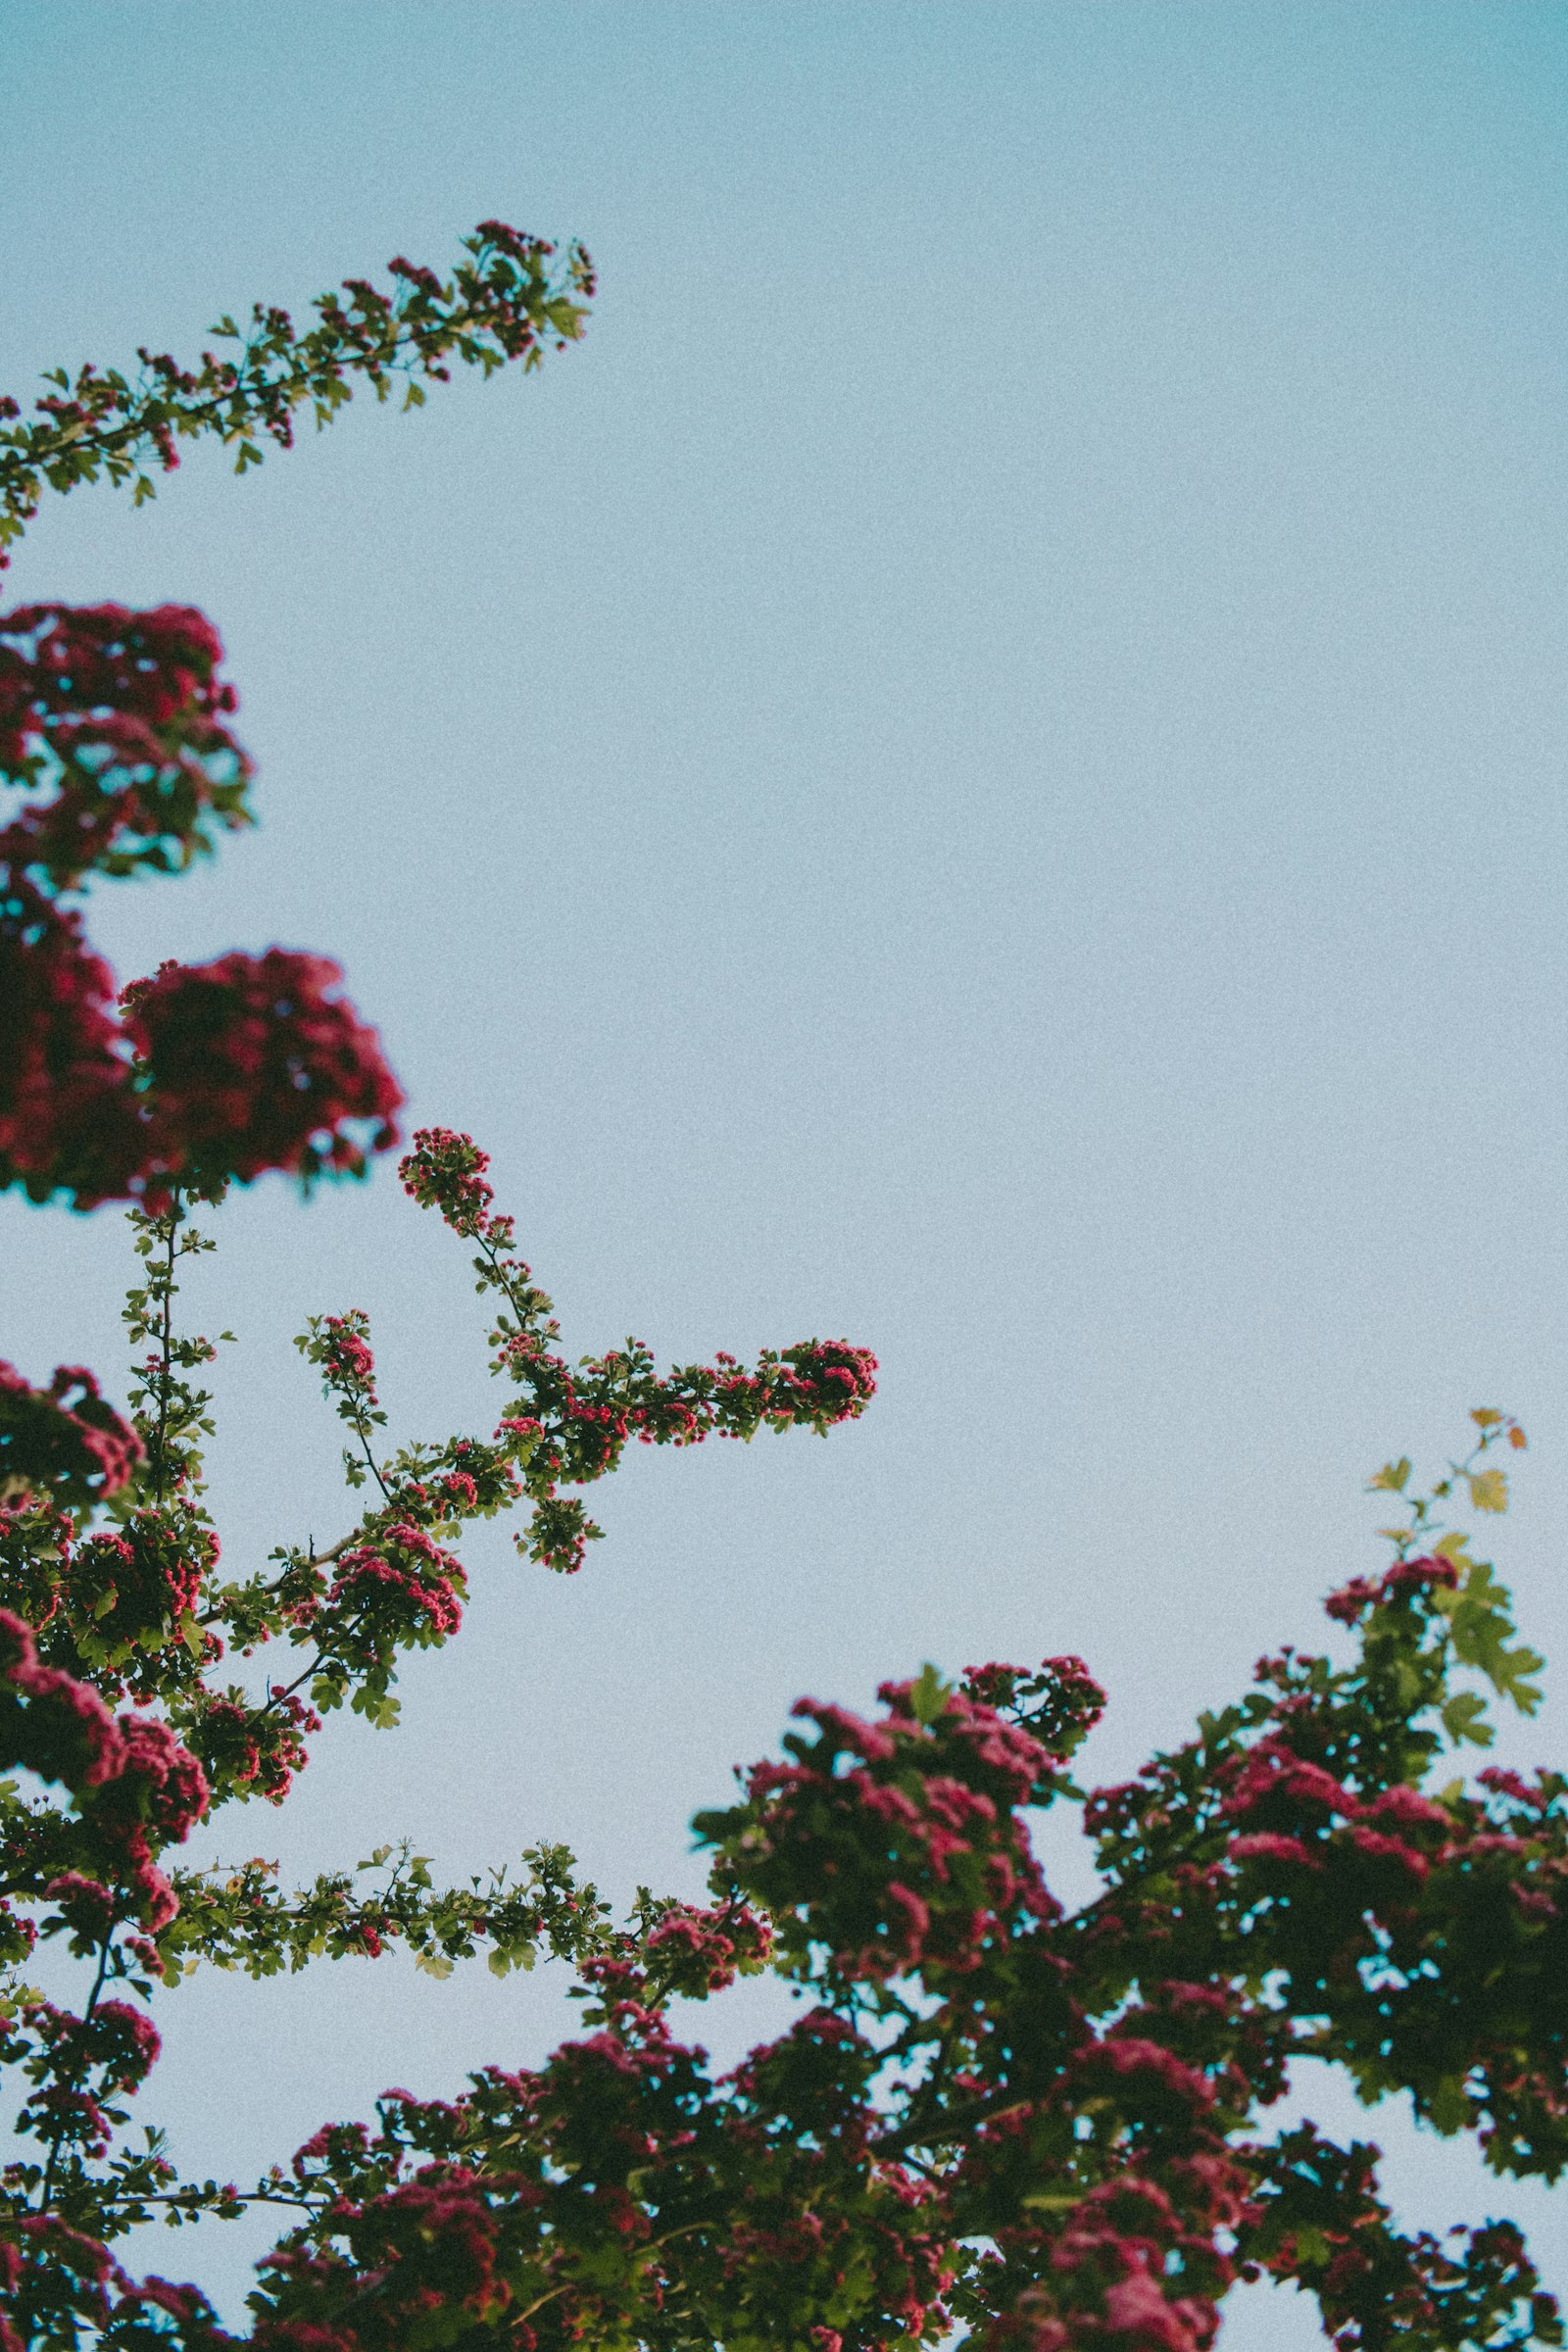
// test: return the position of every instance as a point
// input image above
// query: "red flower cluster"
(418, 1578)
(77, 2063)
(1298, 1804)
(255, 1063)
(696, 1952)
(445, 1171)
(253, 1750)
(397, 1591)
(68, 1117)
(112, 727)
(345, 1355)
(1407, 1580)
(896, 1846)
(1058, 1704)
(134, 1782)
(63, 1441)
(117, 718)
(141, 1584)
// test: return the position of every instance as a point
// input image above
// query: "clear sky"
(979, 769)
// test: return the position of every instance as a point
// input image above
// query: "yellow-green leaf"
(1393, 1475)
(928, 1695)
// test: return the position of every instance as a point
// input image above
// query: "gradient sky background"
(980, 770)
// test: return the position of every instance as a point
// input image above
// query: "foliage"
(1047, 2126)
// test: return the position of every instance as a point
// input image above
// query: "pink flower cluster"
(63, 1441)
(1117, 2273)
(113, 728)
(118, 717)
(68, 1117)
(255, 1749)
(345, 1355)
(132, 1780)
(698, 1952)
(1406, 1579)
(1297, 1804)
(445, 1171)
(897, 1844)
(367, 1578)
(255, 1063)
(142, 1583)
(403, 1588)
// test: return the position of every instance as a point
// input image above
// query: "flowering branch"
(509, 301)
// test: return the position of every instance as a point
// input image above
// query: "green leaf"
(510, 1956)
(1481, 1629)
(1489, 1490)
(1393, 1475)
(1449, 2107)
(1464, 1718)
(928, 1695)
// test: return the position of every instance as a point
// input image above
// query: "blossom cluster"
(897, 1844)
(113, 732)
(255, 1063)
(134, 1786)
(65, 1441)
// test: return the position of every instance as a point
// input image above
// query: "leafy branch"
(510, 300)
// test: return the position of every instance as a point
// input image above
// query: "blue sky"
(980, 768)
